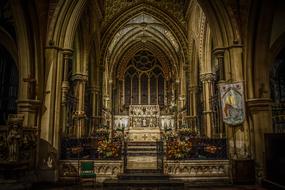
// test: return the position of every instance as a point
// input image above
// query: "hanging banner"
(232, 102)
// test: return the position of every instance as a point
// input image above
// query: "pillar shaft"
(207, 82)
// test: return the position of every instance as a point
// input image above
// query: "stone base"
(198, 171)
(142, 163)
(144, 134)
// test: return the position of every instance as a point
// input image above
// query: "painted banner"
(232, 102)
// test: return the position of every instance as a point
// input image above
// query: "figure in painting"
(230, 103)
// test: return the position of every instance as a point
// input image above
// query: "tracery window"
(144, 80)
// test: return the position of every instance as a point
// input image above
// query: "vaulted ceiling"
(151, 25)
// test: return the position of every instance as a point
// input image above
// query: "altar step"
(144, 149)
(143, 176)
(143, 184)
(141, 155)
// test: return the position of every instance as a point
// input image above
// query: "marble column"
(207, 82)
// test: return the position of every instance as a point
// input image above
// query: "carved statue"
(144, 122)
(13, 139)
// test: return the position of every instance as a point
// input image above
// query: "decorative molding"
(207, 77)
(104, 169)
(262, 104)
(198, 170)
(80, 77)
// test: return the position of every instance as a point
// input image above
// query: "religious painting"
(232, 102)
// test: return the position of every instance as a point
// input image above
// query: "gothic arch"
(64, 23)
(174, 27)
(24, 55)
(8, 42)
(223, 25)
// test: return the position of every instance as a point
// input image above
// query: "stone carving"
(198, 169)
(13, 142)
(67, 169)
(105, 169)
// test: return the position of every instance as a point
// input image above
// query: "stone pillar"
(29, 108)
(28, 105)
(79, 115)
(94, 101)
(65, 88)
(219, 54)
(207, 82)
(261, 119)
(193, 92)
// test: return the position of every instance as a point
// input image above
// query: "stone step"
(142, 154)
(141, 143)
(142, 184)
(142, 147)
(144, 175)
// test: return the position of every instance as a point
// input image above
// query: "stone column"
(193, 92)
(219, 54)
(207, 82)
(94, 118)
(261, 119)
(65, 88)
(80, 115)
(28, 105)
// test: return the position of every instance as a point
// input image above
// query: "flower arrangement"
(108, 149)
(178, 149)
(101, 132)
(186, 132)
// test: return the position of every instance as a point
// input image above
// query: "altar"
(144, 123)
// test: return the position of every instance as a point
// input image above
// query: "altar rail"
(206, 171)
(104, 169)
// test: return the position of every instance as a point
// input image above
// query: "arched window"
(144, 89)
(135, 90)
(146, 78)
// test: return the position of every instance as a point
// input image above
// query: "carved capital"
(207, 77)
(67, 53)
(219, 52)
(79, 114)
(79, 77)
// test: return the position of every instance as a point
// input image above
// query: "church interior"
(142, 94)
